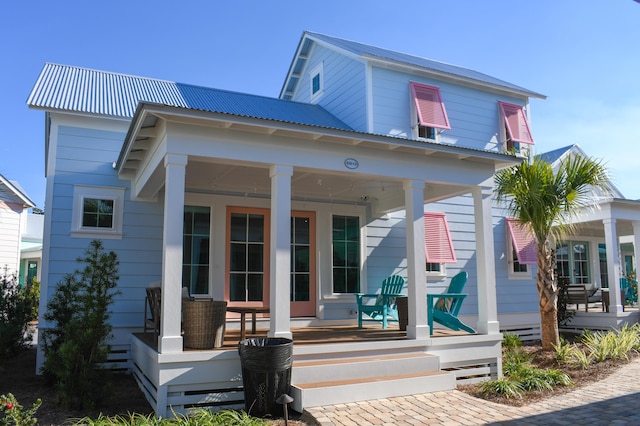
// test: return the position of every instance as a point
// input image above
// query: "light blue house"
(294, 204)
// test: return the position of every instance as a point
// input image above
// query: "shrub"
(76, 346)
(511, 341)
(505, 387)
(16, 310)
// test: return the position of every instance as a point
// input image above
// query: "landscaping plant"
(17, 307)
(12, 413)
(76, 345)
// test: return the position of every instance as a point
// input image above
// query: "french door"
(248, 259)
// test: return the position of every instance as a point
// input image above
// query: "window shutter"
(524, 242)
(431, 112)
(516, 121)
(438, 244)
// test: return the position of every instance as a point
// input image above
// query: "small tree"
(546, 201)
(17, 306)
(77, 345)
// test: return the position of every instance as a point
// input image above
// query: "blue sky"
(584, 55)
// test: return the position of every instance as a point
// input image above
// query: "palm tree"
(546, 201)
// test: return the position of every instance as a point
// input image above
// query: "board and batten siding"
(84, 157)
(10, 224)
(344, 93)
(473, 114)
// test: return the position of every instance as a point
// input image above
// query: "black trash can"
(266, 373)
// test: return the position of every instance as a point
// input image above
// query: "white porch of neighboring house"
(178, 157)
(616, 223)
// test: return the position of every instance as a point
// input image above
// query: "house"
(370, 163)
(14, 206)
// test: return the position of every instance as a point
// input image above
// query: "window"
(317, 81)
(195, 257)
(429, 111)
(97, 212)
(247, 256)
(572, 262)
(346, 254)
(604, 271)
(521, 249)
(517, 132)
(436, 269)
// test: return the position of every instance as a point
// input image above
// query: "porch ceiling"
(219, 175)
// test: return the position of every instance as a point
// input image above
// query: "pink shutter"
(431, 112)
(524, 242)
(516, 121)
(438, 244)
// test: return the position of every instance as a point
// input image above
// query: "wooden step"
(338, 391)
(362, 367)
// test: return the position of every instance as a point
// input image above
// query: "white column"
(417, 328)
(280, 266)
(485, 261)
(170, 339)
(613, 265)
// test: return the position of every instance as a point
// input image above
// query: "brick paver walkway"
(612, 401)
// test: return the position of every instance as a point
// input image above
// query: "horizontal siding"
(344, 87)
(85, 157)
(473, 113)
(9, 238)
(386, 248)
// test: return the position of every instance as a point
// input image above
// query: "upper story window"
(521, 249)
(97, 212)
(517, 134)
(317, 81)
(431, 116)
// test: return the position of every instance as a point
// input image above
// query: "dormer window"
(431, 116)
(517, 134)
(316, 81)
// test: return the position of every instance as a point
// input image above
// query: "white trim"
(442, 273)
(115, 194)
(319, 71)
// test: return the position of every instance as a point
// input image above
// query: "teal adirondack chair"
(443, 308)
(384, 308)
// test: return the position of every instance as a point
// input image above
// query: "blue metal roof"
(415, 61)
(553, 156)
(75, 89)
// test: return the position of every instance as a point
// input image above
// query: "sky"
(584, 55)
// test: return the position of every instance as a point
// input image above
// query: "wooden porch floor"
(313, 335)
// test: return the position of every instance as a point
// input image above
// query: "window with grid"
(346, 254)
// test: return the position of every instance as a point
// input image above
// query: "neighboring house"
(602, 251)
(31, 249)
(14, 206)
(371, 163)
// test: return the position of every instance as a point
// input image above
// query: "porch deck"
(332, 364)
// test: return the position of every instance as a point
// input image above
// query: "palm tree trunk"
(547, 297)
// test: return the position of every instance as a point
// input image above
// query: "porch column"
(485, 260)
(170, 339)
(636, 246)
(613, 265)
(417, 328)
(280, 268)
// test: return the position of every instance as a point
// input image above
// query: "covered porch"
(256, 183)
(332, 364)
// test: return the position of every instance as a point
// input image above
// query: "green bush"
(198, 417)
(76, 345)
(17, 306)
